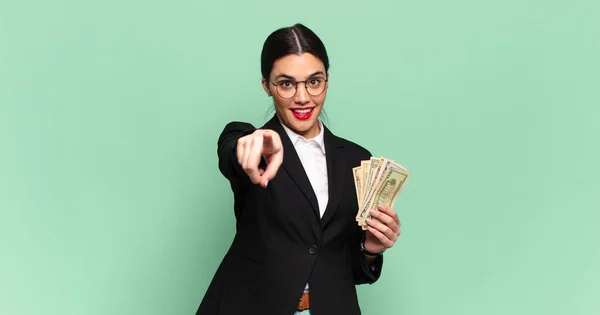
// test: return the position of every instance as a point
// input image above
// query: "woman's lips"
(302, 113)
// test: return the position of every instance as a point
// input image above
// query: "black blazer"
(281, 242)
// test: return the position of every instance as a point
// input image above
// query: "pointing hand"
(261, 143)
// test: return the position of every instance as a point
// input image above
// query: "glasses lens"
(315, 86)
(286, 91)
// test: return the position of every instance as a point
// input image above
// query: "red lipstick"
(302, 113)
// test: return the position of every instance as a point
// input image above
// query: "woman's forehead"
(298, 66)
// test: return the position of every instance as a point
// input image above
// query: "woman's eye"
(286, 84)
(314, 82)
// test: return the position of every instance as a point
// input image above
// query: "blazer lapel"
(336, 171)
(293, 165)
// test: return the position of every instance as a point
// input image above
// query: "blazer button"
(313, 249)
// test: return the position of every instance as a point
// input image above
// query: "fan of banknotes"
(377, 181)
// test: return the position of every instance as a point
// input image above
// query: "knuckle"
(390, 231)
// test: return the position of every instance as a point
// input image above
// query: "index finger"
(254, 159)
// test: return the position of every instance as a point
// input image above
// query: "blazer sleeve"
(364, 273)
(226, 152)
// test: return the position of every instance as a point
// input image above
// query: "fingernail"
(266, 182)
(373, 211)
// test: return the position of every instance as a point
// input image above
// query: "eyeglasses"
(288, 88)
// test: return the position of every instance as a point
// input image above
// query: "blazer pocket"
(251, 259)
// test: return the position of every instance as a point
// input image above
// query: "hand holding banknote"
(383, 229)
(378, 183)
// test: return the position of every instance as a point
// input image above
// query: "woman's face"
(299, 112)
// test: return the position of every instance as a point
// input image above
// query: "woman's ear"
(265, 86)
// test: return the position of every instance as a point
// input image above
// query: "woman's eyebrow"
(292, 78)
(285, 76)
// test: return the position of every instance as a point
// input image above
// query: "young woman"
(298, 248)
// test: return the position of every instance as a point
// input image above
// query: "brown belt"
(303, 303)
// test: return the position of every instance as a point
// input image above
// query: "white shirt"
(312, 156)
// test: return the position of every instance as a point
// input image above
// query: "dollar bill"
(364, 165)
(358, 182)
(382, 168)
(386, 192)
(377, 181)
(374, 165)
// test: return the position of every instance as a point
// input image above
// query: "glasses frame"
(296, 87)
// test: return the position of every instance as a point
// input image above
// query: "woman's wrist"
(366, 252)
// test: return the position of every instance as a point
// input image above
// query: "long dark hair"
(291, 40)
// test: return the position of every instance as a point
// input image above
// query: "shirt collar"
(319, 139)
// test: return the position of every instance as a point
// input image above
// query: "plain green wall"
(111, 201)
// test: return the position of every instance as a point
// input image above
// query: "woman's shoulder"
(354, 148)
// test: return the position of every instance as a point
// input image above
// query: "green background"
(110, 197)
